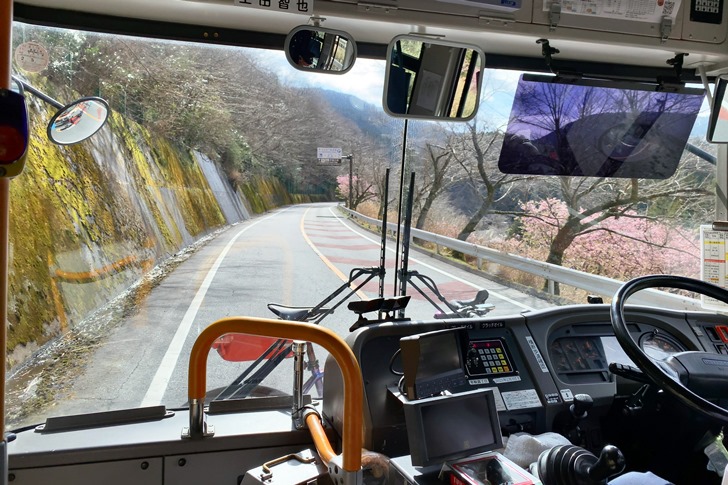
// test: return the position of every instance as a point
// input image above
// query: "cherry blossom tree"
(644, 245)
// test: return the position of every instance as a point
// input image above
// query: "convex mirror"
(432, 79)
(718, 125)
(321, 50)
(77, 121)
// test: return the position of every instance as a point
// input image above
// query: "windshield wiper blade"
(106, 418)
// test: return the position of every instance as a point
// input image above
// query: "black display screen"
(444, 428)
(439, 354)
(453, 427)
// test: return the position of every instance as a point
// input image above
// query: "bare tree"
(477, 153)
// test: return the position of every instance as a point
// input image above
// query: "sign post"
(351, 180)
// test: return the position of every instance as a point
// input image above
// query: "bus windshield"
(226, 181)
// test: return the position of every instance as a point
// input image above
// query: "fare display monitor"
(444, 428)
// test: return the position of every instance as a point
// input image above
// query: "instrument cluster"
(582, 358)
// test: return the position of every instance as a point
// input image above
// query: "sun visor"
(593, 128)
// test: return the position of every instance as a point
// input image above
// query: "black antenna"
(399, 201)
(405, 241)
(383, 245)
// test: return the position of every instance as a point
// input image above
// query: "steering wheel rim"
(675, 388)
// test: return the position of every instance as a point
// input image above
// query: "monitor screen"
(432, 363)
(594, 128)
(438, 354)
(444, 428)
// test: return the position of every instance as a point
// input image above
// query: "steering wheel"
(687, 376)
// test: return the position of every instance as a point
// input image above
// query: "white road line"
(445, 273)
(158, 387)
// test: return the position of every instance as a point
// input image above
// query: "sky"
(366, 81)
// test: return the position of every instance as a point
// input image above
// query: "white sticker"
(537, 354)
(499, 404)
(478, 382)
(430, 87)
(31, 56)
(566, 395)
(521, 399)
(636, 10)
(501, 380)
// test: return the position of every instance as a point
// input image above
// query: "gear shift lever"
(567, 422)
(573, 465)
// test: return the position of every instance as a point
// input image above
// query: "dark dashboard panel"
(535, 362)
(581, 358)
(496, 354)
(579, 343)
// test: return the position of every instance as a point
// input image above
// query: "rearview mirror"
(77, 121)
(718, 125)
(321, 50)
(432, 79)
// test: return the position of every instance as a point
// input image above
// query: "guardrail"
(552, 273)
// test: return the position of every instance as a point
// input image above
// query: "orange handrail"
(320, 440)
(6, 29)
(353, 387)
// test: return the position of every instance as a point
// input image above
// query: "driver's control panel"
(488, 358)
(453, 361)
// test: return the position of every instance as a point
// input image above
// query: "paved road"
(293, 256)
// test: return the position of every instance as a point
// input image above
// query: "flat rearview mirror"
(432, 79)
(321, 50)
(78, 121)
(718, 125)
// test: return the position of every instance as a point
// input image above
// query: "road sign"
(328, 153)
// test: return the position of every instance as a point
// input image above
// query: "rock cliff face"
(89, 220)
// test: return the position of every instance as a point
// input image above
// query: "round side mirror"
(78, 121)
(320, 50)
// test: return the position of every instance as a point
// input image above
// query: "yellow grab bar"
(353, 387)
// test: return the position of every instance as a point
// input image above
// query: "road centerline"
(325, 260)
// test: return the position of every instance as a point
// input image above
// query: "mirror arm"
(316, 21)
(706, 82)
(38, 93)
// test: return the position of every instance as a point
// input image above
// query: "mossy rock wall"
(86, 221)
(263, 194)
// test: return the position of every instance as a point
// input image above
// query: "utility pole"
(351, 180)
